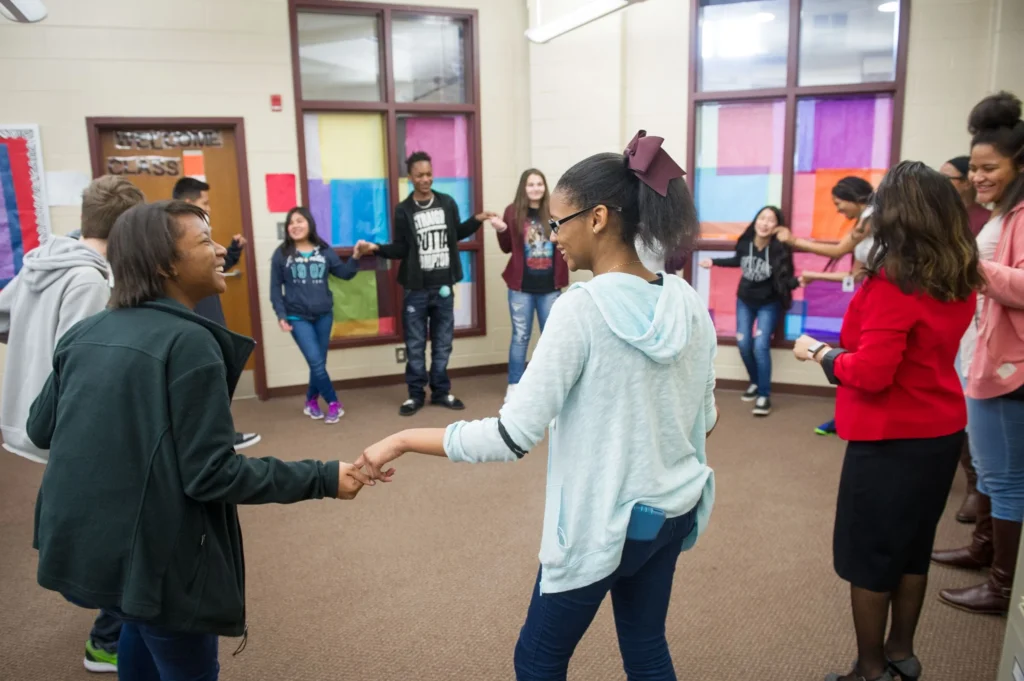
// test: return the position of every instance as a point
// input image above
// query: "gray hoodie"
(61, 283)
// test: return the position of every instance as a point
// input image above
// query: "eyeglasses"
(556, 224)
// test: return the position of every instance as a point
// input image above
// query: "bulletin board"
(24, 213)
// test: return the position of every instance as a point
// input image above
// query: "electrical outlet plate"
(399, 355)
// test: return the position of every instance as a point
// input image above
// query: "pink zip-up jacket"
(998, 365)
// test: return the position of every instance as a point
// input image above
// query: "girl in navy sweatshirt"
(304, 305)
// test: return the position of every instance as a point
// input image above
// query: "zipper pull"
(245, 639)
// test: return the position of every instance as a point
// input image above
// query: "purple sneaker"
(334, 412)
(312, 410)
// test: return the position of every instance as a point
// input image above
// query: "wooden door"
(154, 159)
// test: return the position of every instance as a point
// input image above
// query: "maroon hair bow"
(650, 163)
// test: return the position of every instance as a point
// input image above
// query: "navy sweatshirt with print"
(298, 282)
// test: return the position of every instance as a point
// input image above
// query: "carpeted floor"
(428, 579)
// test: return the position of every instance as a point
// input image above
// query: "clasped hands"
(369, 467)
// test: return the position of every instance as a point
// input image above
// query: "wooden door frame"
(95, 126)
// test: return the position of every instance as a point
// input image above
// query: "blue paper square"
(359, 210)
(729, 198)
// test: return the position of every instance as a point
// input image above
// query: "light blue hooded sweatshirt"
(624, 376)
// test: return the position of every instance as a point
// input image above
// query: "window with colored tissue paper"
(739, 164)
(836, 138)
(347, 177)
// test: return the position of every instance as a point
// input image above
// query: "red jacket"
(513, 274)
(896, 379)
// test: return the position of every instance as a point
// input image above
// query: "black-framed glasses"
(556, 224)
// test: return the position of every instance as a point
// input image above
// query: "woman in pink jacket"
(995, 379)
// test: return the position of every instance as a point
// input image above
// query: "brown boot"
(968, 512)
(992, 597)
(978, 555)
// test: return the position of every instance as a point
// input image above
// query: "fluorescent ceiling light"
(579, 17)
(888, 7)
(764, 17)
(23, 11)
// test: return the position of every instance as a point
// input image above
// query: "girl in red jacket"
(535, 274)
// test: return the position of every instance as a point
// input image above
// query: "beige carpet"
(428, 579)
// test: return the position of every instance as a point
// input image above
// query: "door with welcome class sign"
(154, 155)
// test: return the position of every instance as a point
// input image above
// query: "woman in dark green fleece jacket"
(137, 509)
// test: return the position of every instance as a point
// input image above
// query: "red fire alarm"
(275, 102)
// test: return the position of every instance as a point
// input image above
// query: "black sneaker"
(762, 407)
(410, 407)
(243, 440)
(751, 394)
(448, 401)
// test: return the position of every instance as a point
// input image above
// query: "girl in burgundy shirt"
(900, 405)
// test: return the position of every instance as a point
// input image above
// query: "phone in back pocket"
(645, 522)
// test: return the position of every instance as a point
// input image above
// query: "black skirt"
(891, 496)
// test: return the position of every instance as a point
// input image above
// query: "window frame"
(390, 109)
(791, 94)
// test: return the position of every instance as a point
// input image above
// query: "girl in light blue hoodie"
(624, 378)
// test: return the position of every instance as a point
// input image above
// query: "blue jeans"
(521, 307)
(996, 431)
(426, 312)
(313, 339)
(641, 588)
(756, 350)
(149, 653)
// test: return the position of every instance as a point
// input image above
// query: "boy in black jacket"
(426, 239)
(197, 192)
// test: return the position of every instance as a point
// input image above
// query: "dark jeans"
(424, 312)
(756, 351)
(641, 587)
(106, 631)
(149, 653)
(313, 339)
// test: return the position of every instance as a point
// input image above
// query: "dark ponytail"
(996, 120)
(665, 223)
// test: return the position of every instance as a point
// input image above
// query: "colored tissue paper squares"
(729, 198)
(359, 210)
(746, 138)
(445, 138)
(355, 305)
(465, 304)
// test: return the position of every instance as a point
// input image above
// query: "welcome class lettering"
(170, 166)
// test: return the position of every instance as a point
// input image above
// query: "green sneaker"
(827, 428)
(99, 660)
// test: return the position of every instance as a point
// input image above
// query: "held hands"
(362, 248)
(350, 480)
(376, 456)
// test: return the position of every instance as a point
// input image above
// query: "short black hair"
(660, 222)
(189, 189)
(415, 158)
(142, 249)
(853, 189)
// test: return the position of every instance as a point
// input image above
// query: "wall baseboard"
(783, 388)
(488, 369)
(389, 379)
